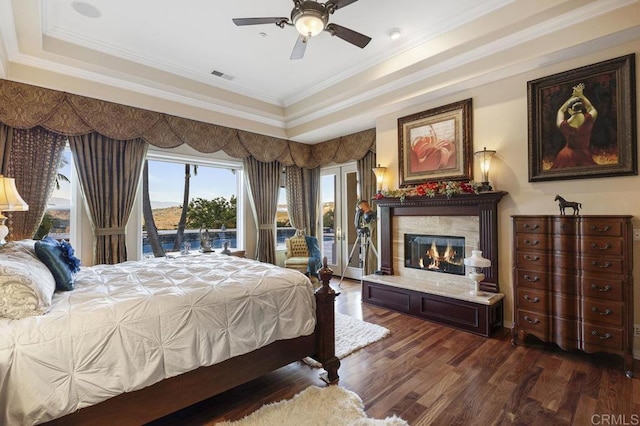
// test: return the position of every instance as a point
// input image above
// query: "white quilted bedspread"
(130, 325)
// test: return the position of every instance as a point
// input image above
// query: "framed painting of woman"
(582, 122)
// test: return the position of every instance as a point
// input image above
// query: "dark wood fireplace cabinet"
(481, 315)
(573, 283)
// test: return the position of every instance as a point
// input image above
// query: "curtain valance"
(24, 106)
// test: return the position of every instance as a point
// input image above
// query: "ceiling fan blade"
(339, 4)
(258, 21)
(299, 47)
(346, 34)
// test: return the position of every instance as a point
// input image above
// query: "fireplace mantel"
(483, 205)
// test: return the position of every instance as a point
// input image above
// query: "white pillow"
(26, 284)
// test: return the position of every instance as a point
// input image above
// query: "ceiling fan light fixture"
(310, 18)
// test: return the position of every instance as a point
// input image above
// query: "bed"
(135, 341)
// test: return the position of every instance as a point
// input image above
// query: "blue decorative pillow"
(59, 258)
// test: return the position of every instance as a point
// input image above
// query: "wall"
(500, 123)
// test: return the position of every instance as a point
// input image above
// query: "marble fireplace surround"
(469, 215)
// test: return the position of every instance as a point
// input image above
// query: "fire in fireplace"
(436, 253)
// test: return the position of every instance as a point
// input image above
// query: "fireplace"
(444, 298)
(436, 253)
(482, 207)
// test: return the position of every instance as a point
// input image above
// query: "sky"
(166, 184)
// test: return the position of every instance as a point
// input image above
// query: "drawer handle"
(605, 312)
(605, 247)
(531, 279)
(532, 320)
(605, 288)
(532, 243)
(600, 336)
(601, 265)
(605, 229)
(532, 258)
(531, 227)
(534, 300)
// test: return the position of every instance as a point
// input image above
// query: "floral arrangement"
(431, 189)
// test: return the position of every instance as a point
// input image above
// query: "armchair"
(303, 254)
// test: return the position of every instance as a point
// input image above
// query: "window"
(212, 209)
(56, 222)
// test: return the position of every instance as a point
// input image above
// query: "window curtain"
(303, 192)
(109, 171)
(264, 184)
(6, 139)
(34, 158)
(367, 187)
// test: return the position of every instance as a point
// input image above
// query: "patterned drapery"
(109, 171)
(6, 139)
(367, 183)
(264, 184)
(25, 106)
(303, 192)
(34, 158)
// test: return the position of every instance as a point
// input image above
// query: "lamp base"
(4, 230)
(476, 277)
(485, 187)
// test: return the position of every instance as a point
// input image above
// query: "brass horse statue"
(562, 203)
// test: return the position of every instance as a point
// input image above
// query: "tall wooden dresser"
(573, 282)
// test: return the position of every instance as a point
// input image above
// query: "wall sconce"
(485, 164)
(379, 172)
(476, 262)
(10, 201)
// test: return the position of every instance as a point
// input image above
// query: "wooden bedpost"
(325, 328)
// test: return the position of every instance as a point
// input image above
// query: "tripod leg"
(344, 269)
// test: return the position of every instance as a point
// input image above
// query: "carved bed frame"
(172, 394)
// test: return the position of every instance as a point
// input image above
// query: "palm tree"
(60, 177)
(147, 213)
(185, 205)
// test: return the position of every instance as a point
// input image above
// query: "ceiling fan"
(311, 18)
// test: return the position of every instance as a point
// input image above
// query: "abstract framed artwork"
(582, 123)
(436, 144)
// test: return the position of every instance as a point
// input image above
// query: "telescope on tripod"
(364, 219)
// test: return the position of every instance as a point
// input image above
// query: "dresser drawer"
(531, 279)
(532, 260)
(602, 311)
(531, 242)
(602, 227)
(534, 322)
(602, 288)
(602, 246)
(608, 265)
(564, 225)
(598, 337)
(533, 300)
(530, 225)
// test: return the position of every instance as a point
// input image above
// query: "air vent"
(222, 75)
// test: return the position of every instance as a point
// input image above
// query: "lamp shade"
(379, 172)
(476, 260)
(10, 200)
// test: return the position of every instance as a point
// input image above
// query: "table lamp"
(476, 262)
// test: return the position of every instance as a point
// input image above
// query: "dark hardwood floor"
(432, 374)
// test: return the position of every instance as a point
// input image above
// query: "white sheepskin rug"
(352, 334)
(314, 406)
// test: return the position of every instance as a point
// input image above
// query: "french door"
(339, 197)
